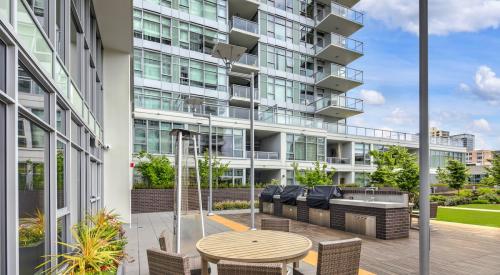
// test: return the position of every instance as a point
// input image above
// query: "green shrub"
(498, 192)
(480, 202)
(466, 193)
(456, 200)
(157, 171)
(228, 205)
(485, 191)
(492, 198)
(438, 198)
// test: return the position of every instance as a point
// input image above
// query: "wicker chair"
(275, 224)
(167, 263)
(164, 241)
(236, 268)
(336, 258)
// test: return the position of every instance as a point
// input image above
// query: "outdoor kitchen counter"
(372, 204)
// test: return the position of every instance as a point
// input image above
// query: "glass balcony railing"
(244, 91)
(340, 41)
(339, 101)
(341, 72)
(338, 128)
(248, 59)
(264, 155)
(337, 160)
(341, 11)
(243, 24)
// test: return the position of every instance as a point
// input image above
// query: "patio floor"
(455, 248)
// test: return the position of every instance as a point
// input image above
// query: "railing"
(264, 155)
(340, 41)
(338, 128)
(337, 160)
(341, 72)
(243, 24)
(290, 120)
(339, 101)
(248, 59)
(341, 11)
(244, 91)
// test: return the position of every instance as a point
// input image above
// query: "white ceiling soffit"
(115, 23)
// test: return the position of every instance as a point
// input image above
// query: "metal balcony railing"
(338, 128)
(243, 24)
(337, 160)
(341, 72)
(264, 155)
(248, 59)
(339, 101)
(340, 41)
(341, 11)
(244, 91)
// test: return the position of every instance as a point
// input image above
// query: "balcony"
(244, 8)
(240, 95)
(338, 106)
(346, 3)
(339, 49)
(299, 121)
(246, 64)
(339, 19)
(338, 128)
(337, 160)
(243, 32)
(339, 78)
(264, 155)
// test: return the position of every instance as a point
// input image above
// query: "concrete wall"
(271, 144)
(117, 133)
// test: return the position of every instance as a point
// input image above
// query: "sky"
(464, 67)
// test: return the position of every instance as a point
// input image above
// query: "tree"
(488, 181)
(442, 176)
(457, 174)
(494, 170)
(398, 168)
(157, 171)
(218, 169)
(313, 176)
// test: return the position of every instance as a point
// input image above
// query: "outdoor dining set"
(271, 250)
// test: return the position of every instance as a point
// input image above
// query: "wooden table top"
(257, 246)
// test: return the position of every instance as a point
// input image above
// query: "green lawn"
(481, 206)
(469, 216)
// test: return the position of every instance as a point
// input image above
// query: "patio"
(455, 248)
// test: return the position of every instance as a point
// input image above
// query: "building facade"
(62, 63)
(301, 55)
(466, 140)
(480, 157)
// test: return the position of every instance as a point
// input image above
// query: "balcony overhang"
(243, 38)
(243, 8)
(239, 67)
(346, 3)
(337, 111)
(338, 83)
(116, 34)
(337, 54)
(338, 24)
(242, 101)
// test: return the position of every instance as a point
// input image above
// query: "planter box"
(30, 257)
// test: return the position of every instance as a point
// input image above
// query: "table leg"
(284, 269)
(204, 266)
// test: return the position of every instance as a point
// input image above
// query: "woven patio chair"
(236, 268)
(164, 241)
(275, 224)
(335, 258)
(167, 263)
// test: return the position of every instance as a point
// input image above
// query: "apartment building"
(480, 157)
(300, 53)
(435, 132)
(62, 64)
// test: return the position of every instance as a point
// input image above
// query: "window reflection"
(32, 95)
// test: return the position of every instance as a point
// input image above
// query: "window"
(151, 25)
(32, 95)
(41, 10)
(140, 136)
(362, 179)
(32, 191)
(3, 184)
(152, 65)
(310, 148)
(61, 175)
(61, 120)
(137, 23)
(60, 28)
(362, 154)
(3, 66)
(5, 11)
(75, 54)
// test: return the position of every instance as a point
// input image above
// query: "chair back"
(339, 257)
(164, 241)
(433, 210)
(275, 224)
(166, 263)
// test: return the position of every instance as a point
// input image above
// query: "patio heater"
(183, 217)
(229, 55)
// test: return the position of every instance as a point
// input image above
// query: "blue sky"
(464, 56)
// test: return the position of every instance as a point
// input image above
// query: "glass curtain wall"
(440, 158)
(309, 148)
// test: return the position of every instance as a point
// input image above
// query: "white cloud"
(488, 84)
(464, 87)
(372, 97)
(481, 125)
(445, 16)
(399, 117)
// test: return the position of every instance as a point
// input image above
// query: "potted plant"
(31, 240)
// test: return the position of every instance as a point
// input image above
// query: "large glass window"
(32, 191)
(61, 175)
(310, 148)
(151, 25)
(3, 66)
(152, 65)
(60, 27)
(5, 10)
(41, 10)
(362, 154)
(3, 185)
(32, 95)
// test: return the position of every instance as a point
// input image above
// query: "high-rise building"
(480, 157)
(435, 132)
(64, 76)
(466, 140)
(301, 53)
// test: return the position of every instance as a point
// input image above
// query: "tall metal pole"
(177, 216)
(424, 232)
(210, 198)
(198, 184)
(252, 152)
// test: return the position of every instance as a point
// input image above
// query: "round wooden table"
(258, 246)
